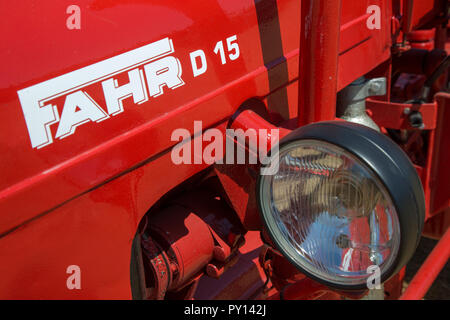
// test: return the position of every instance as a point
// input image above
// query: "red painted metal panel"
(73, 195)
(318, 66)
(361, 50)
(37, 180)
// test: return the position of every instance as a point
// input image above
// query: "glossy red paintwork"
(79, 200)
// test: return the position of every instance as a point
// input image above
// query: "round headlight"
(345, 198)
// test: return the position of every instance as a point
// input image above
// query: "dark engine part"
(196, 235)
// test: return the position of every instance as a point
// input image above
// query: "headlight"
(345, 197)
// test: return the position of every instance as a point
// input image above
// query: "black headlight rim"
(404, 189)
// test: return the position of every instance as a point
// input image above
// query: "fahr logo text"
(149, 69)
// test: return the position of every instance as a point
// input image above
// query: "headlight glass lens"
(329, 213)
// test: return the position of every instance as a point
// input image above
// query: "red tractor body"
(84, 164)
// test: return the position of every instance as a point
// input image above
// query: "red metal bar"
(430, 269)
(249, 119)
(319, 47)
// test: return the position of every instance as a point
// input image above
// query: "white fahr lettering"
(166, 71)
(115, 94)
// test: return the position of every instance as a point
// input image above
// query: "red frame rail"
(429, 270)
